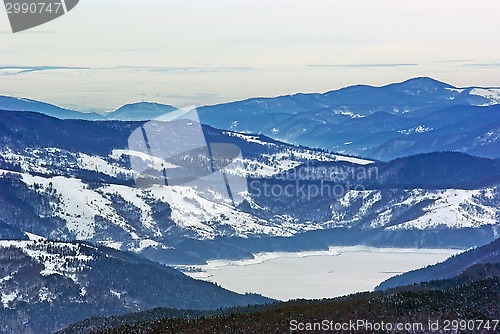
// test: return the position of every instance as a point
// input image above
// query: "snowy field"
(321, 274)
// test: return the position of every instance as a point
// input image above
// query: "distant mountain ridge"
(23, 104)
(141, 111)
(377, 122)
(419, 115)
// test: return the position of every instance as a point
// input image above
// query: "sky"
(103, 54)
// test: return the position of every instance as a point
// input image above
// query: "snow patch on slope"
(417, 129)
(453, 208)
(249, 138)
(98, 164)
(57, 258)
(79, 205)
(48, 160)
(491, 94)
(194, 212)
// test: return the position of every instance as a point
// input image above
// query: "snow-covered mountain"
(76, 183)
(45, 286)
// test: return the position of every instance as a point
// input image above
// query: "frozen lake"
(320, 274)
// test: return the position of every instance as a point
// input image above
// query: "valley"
(104, 215)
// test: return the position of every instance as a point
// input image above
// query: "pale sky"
(209, 51)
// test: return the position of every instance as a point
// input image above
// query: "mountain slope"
(45, 286)
(21, 104)
(77, 183)
(473, 130)
(438, 170)
(452, 267)
(56, 185)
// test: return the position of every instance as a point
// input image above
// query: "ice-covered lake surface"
(318, 274)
